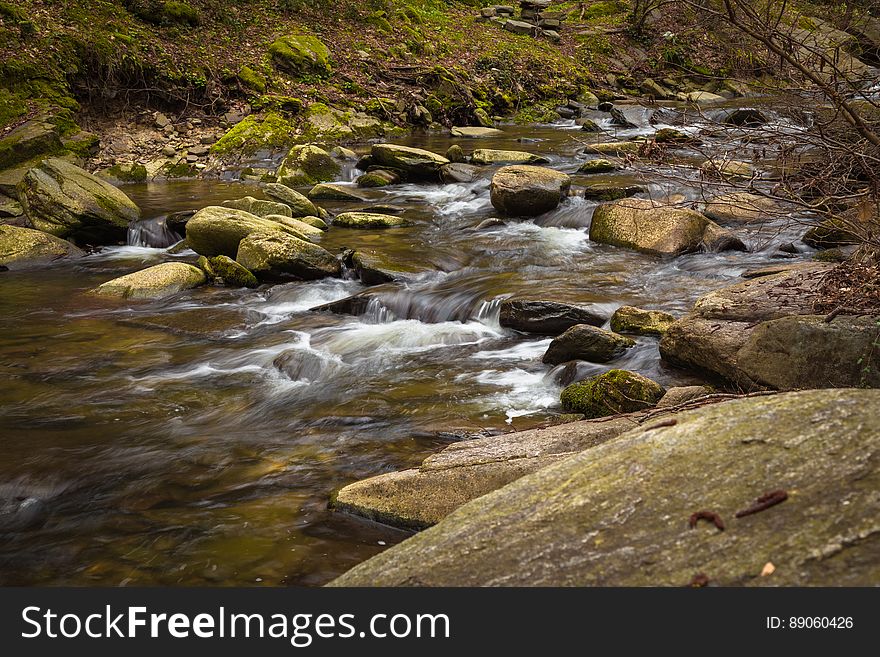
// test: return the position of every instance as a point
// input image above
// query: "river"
(197, 440)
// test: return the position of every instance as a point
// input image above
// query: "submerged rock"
(416, 163)
(217, 230)
(232, 273)
(545, 317)
(489, 156)
(628, 319)
(155, 282)
(476, 132)
(258, 207)
(646, 226)
(591, 517)
(585, 342)
(368, 220)
(24, 247)
(277, 255)
(616, 391)
(299, 205)
(528, 191)
(61, 199)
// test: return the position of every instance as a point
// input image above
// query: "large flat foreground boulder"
(619, 514)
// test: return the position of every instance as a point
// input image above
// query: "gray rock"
(586, 520)
(528, 190)
(545, 317)
(585, 342)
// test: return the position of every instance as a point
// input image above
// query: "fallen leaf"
(768, 569)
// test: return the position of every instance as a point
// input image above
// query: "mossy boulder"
(636, 321)
(301, 55)
(619, 148)
(217, 230)
(131, 172)
(649, 227)
(24, 247)
(416, 163)
(61, 199)
(741, 208)
(598, 166)
(673, 137)
(616, 391)
(275, 255)
(378, 178)
(334, 192)
(259, 207)
(586, 342)
(232, 273)
(528, 191)
(545, 317)
(270, 130)
(31, 139)
(307, 165)
(299, 204)
(154, 282)
(486, 156)
(586, 520)
(368, 220)
(304, 230)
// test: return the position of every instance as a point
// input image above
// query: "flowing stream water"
(198, 440)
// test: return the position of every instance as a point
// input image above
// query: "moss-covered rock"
(616, 391)
(31, 139)
(24, 247)
(378, 178)
(586, 342)
(368, 220)
(268, 131)
(307, 165)
(217, 230)
(232, 273)
(125, 173)
(259, 207)
(610, 191)
(591, 517)
(334, 192)
(741, 208)
(636, 321)
(492, 156)
(598, 166)
(649, 227)
(673, 137)
(416, 163)
(528, 191)
(301, 55)
(275, 255)
(299, 204)
(204, 264)
(155, 282)
(619, 148)
(303, 230)
(61, 199)
(251, 79)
